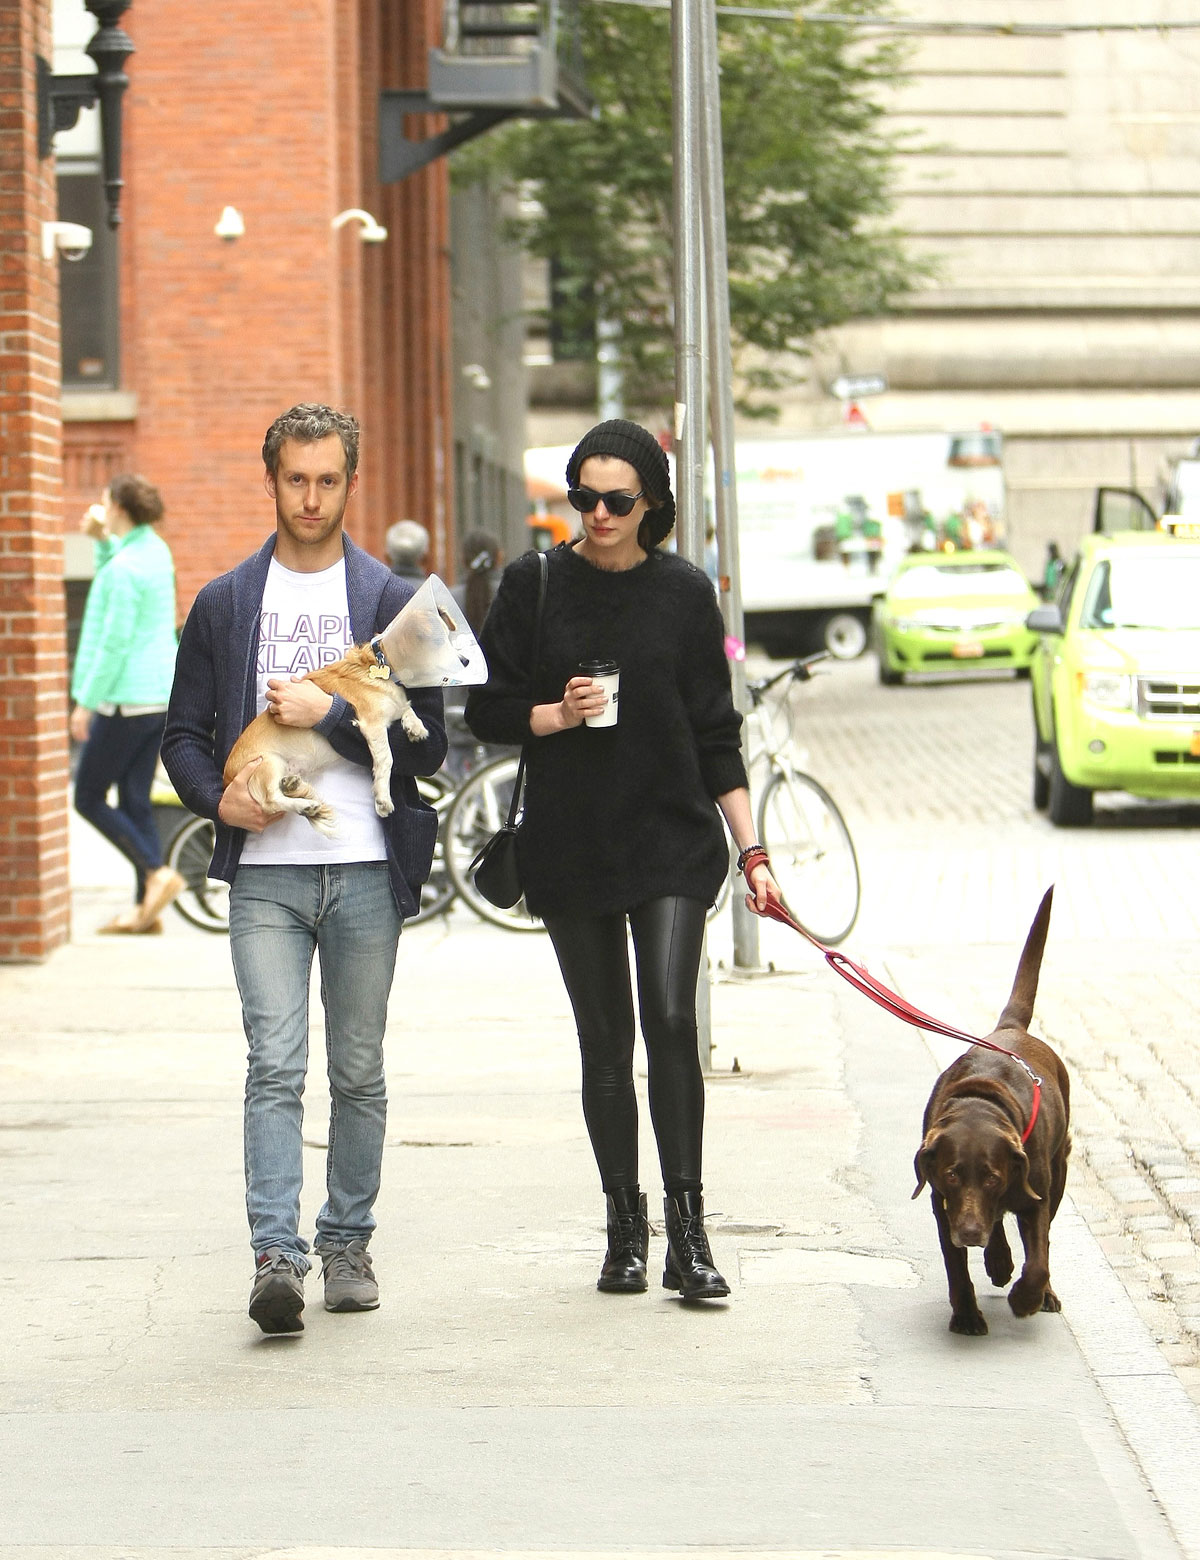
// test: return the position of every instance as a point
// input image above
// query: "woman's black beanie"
(630, 441)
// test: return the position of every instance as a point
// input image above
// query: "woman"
(121, 684)
(621, 821)
(481, 564)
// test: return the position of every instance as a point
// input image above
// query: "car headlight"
(1112, 690)
(903, 625)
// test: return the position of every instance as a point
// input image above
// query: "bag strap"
(514, 805)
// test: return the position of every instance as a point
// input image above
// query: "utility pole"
(720, 369)
(689, 345)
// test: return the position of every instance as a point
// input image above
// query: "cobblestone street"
(935, 783)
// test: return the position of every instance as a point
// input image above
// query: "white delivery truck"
(823, 521)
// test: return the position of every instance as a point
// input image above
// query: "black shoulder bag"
(494, 868)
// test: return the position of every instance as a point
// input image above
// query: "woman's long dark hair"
(481, 554)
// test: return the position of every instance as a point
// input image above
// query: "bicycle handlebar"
(799, 671)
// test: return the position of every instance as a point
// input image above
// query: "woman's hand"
(581, 698)
(760, 883)
(95, 522)
(79, 723)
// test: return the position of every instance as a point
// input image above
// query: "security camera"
(71, 239)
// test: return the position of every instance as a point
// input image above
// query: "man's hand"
(239, 809)
(296, 701)
(79, 723)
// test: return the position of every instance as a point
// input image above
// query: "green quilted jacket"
(127, 644)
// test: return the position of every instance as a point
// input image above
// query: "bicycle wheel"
(205, 901)
(477, 811)
(438, 892)
(812, 855)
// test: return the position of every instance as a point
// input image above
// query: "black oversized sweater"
(615, 816)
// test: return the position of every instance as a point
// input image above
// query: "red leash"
(892, 1002)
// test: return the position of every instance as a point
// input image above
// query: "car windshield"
(1161, 590)
(957, 579)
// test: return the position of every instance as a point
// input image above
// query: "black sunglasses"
(617, 503)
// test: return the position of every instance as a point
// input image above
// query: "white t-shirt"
(305, 623)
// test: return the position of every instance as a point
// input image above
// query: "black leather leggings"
(592, 954)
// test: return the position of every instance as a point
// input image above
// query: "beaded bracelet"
(751, 857)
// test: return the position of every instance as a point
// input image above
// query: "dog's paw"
(1025, 1300)
(999, 1269)
(384, 806)
(971, 1323)
(413, 726)
(1050, 1301)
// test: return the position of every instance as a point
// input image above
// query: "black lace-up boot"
(690, 1267)
(624, 1270)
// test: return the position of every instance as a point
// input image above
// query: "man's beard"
(305, 537)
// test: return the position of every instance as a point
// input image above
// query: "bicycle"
(812, 854)
(477, 810)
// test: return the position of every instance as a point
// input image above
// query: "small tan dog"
(291, 755)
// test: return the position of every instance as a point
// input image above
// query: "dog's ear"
(923, 1161)
(1021, 1168)
(447, 620)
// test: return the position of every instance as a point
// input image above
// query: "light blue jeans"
(279, 916)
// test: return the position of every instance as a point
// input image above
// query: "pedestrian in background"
(300, 602)
(482, 559)
(407, 544)
(121, 684)
(621, 822)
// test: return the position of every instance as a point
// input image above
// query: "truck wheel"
(1070, 806)
(844, 635)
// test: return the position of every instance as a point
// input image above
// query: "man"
(407, 544)
(300, 602)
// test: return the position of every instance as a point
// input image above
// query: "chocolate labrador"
(996, 1141)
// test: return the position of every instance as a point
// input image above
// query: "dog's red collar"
(892, 1002)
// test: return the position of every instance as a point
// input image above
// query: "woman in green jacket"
(122, 681)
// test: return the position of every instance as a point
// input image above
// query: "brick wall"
(272, 110)
(34, 901)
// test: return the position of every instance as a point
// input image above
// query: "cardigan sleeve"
(189, 738)
(499, 711)
(707, 693)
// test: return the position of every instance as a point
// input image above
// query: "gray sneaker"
(350, 1283)
(277, 1295)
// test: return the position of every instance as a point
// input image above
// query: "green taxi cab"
(1116, 675)
(954, 612)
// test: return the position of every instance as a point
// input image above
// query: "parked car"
(1116, 675)
(957, 611)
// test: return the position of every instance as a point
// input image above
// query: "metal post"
(720, 369)
(689, 368)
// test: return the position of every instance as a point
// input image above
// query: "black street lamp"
(61, 97)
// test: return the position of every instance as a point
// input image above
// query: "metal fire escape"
(501, 59)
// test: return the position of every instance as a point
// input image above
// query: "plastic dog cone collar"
(429, 643)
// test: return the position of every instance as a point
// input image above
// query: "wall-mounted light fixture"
(230, 224)
(59, 98)
(372, 231)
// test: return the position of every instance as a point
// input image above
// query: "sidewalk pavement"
(496, 1401)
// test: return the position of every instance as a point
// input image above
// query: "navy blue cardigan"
(215, 696)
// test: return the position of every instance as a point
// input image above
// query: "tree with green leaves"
(808, 172)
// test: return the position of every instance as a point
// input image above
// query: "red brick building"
(179, 346)
(34, 906)
(271, 110)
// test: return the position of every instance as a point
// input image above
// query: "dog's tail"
(1019, 1011)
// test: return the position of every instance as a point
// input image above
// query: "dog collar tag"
(381, 671)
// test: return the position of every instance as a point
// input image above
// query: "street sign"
(852, 387)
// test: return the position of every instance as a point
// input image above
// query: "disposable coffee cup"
(608, 675)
